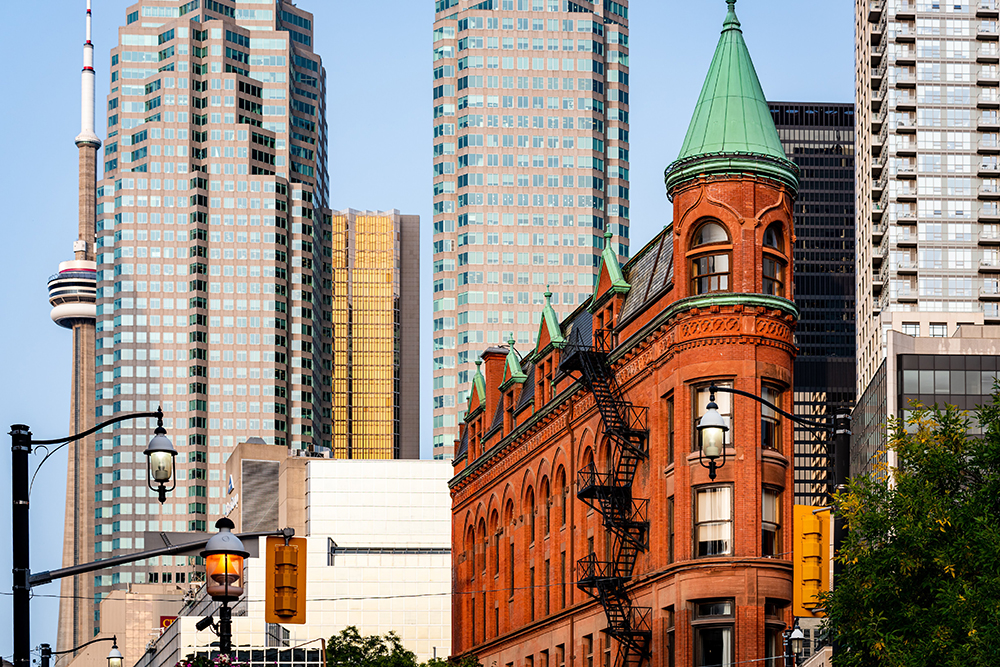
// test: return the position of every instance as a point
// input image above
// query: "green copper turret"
(731, 130)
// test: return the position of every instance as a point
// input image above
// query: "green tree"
(921, 585)
(351, 649)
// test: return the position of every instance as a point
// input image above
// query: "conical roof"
(732, 118)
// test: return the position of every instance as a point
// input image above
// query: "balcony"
(989, 293)
(986, 9)
(878, 30)
(878, 165)
(987, 76)
(907, 239)
(907, 216)
(879, 255)
(988, 53)
(989, 238)
(878, 233)
(989, 192)
(906, 33)
(906, 11)
(906, 268)
(879, 142)
(877, 74)
(878, 119)
(906, 126)
(877, 212)
(905, 79)
(878, 282)
(907, 171)
(989, 213)
(987, 31)
(989, 265)
(875, 9)
(878, 96)
(988, 122)
(907, 56)
(908, 194)
(877, 53)
(878, 188)
(906, 149)
(905, 100)
(988, 98)
(988, 168)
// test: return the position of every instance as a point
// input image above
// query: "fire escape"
(610, 493)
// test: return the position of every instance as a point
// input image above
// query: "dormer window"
(774, 265)
(710, 255)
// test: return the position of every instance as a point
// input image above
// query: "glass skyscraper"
(530, 169)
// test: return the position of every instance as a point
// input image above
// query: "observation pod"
(73, 293)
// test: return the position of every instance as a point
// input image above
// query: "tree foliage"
(351, 649)
(921, 585)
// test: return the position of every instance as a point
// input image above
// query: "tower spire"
(87, 86)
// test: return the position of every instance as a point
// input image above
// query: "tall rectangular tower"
(928, 220)
(819, 139)
(214, 294)
(530, 169)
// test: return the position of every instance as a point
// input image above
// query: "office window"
(713, 633)
(938, 330)
(713, 520)
(770, 522)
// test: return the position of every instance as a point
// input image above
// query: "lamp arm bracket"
(113, 639)
(70, 438)
(808, 423)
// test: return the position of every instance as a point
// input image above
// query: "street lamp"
(20, 447)
(712, 435)
(224, 554)
(160, 456)
(115, 657)
(793, 644)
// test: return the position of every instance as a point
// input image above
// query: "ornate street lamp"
(224, 556)
(793, 644)
(712, 437)
(115, 658)
(160, 456)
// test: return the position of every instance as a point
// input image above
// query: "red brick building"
(585, 528)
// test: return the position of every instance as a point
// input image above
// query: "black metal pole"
(841, 475)
(20, 447)
(225, 630)
(46, 652)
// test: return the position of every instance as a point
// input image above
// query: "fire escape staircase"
(610, 493)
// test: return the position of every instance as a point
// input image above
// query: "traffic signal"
(811, 559)
(285, 578)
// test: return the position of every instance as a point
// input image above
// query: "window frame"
(776, 533)
(710, 250)
(770, 420)
(699, 522)
(701, 623)
(775, 284)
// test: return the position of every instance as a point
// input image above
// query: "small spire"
(511, 340)
(548, 295)
(731, 20)
(608, 234)
(479, 362)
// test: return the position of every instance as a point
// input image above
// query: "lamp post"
(793, 645)
(21, 447)
(712, 431)
(115, 657)
(224, 554)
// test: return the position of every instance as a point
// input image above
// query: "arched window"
(774, 264)
(529, 506)
(710, 255)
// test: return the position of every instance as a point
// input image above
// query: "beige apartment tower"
(530, 169)
(928, 173)
(221, 280)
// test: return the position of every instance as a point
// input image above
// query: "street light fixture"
(224, 554)
(160, 456)
(712, 431)
(793, 644)
(115, 657)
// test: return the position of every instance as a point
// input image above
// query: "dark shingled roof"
(527, 387)
(497, 417)
(649, 273)
(463, 445)
(579, 333)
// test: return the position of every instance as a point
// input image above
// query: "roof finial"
(510, 341)
(731, 20)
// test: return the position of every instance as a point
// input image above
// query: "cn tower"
(73, 294)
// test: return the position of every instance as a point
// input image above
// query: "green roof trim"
(512, 366)
(733, 299)
(731, 130)
(609, 259)
(478, 384)
(551, 321)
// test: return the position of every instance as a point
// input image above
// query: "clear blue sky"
(378, 61)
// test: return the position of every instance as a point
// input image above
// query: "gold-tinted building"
(376, 334)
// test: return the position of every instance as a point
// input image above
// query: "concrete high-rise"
(928, 221)
(530, 169)
(819, 139)
(220, 296)
(73, 294)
